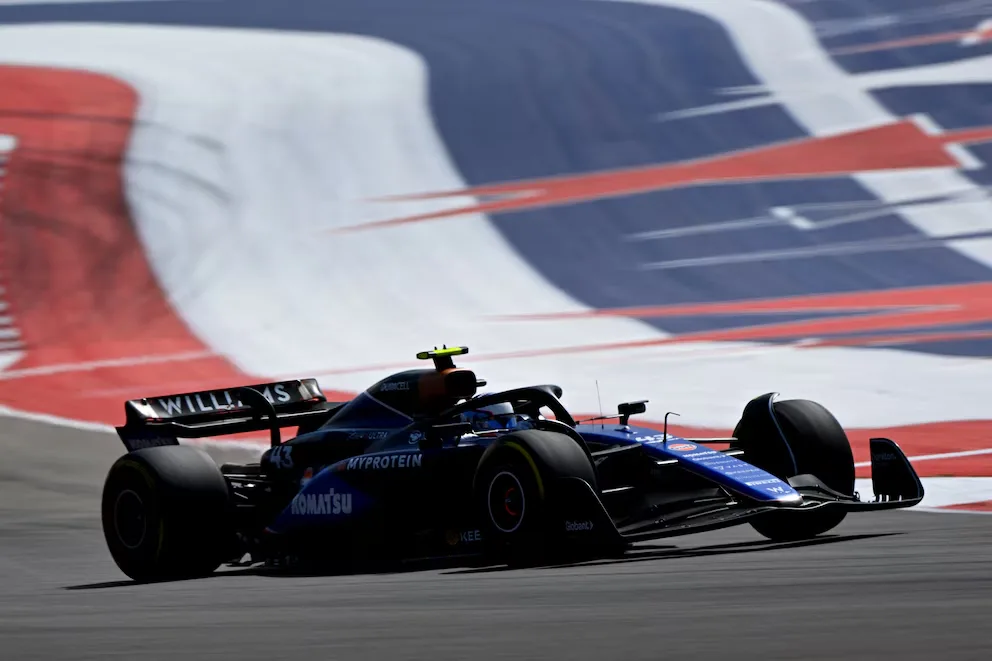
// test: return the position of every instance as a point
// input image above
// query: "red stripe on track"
(900, 145)
(79, 286)
(985, 506)
(80, 289)
(864, 312)
(921, 40)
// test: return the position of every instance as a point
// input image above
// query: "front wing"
(894, 482)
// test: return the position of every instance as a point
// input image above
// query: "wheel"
(515, 486)
(814, 442)
(165, 513)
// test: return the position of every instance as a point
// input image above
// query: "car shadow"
(479, 565)
(660, 552)
(124, 583)
(405, 567)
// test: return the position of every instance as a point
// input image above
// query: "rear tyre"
(814, 442)
(515, 486)
(165, 514)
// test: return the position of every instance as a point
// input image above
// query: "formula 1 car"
(420, 466)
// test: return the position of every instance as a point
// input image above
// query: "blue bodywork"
(723, 469)
(317, 503)
(421, 465)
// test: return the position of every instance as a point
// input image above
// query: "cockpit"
(496, 417)
(442, 404)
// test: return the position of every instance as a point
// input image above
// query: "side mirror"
(628, 409)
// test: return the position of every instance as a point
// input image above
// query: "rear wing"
(164, 419)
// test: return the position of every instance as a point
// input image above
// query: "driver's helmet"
(495, 417)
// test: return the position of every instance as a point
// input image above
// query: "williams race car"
(420, 465)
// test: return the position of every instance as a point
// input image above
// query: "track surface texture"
(904, 585)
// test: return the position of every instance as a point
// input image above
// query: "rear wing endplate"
(162, 420)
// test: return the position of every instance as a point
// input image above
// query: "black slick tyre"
(515, 488)
(165, 513)
(795, 437)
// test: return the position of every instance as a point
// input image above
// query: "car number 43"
(282, 456)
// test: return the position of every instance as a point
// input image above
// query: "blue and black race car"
(420, 465)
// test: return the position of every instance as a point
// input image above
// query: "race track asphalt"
(902, 585)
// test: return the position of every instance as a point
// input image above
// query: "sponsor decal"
(367, 435)
(681, 447)
(578, 526)
(379, 462)
(316, 504)
(710, 456)
(140, 441)
(715, 464)
(416, 437)
(676, 442)
(281, 456)
(454, 538)
(394, 386)
(217, 400)
(757, 482)
(776, 489)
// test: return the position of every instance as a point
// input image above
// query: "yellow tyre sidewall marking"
(530, 460)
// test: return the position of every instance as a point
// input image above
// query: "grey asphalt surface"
(901, 585)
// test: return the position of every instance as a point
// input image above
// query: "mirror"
(628, 409)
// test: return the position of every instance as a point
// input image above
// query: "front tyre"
(795, 437)
(515, 486)
(165, 513)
